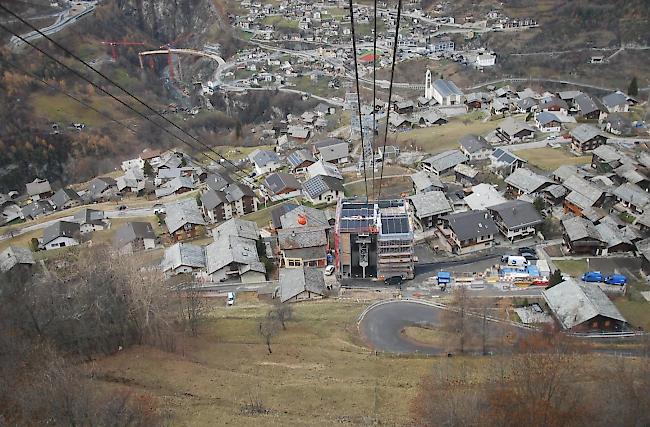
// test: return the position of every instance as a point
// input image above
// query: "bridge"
(193, 52)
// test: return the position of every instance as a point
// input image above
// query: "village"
(555, 182)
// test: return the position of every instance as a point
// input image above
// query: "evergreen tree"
(633, 89)
(148, 169)
(556, 277)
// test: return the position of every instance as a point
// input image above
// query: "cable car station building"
(373, 239)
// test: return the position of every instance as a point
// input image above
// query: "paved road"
(527, 79)
(65, 19)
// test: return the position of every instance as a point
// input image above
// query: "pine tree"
(633, 90)
(555, 278)
(147, 169)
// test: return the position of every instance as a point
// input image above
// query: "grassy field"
(280, 21)
(428, 336)
(263, 216)
(636, 312)
(441, 138)
(59, 108)
(391, 187)
(572, 267)
(550, 159)
(318, 374)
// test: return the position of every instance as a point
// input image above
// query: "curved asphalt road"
(382, 326)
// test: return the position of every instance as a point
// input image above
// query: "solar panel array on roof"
(355, 224)
(394, 225)
(315, 186)
(361, 210)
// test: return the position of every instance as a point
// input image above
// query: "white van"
(231, 299)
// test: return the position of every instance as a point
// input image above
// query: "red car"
(540, 282)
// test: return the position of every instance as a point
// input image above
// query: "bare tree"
(456, 320)
(282, 312)
(193, 307)
(269, 328)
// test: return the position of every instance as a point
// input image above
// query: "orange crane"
(170, 60)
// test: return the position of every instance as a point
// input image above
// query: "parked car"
(530, 256)
(231, 299)
(524, 250)
(329, 270)
(616, 279)
(593, 277)
(121, 207)
(542, 281)
(394, 281)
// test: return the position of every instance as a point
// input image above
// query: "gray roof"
(321, 184)
(210, 199)
(607, 154)
(230, 249)
(447, 88)
(612, 235)
(501, 155)
(422, 180)
(614, 99)
(236, 191)
(583, 193)
(14, 255)
(644, 219)
(217, 182)
(466, 170)
(38, 186)
(327, 141)
(294, 281)
(322, 167)
(471, 224)
(290, 215)
(132, 231)
(89, 216)
(182, 212)
(37, 208)
(473, 143)
(644, 159)
(527, 180)
(63, 196)
(304, 237)
(575, 303)
(557, 190)
(101, 184)
(446, 160)
(334, 152)
(175, 185)
(263, 157)
(526, 103)
(299, 157)
(511, 126)
(183, 254)
(630, 174)
(643, 246)
(237, 227)
(578, 228)
(545, 118)
(632, 194)
(517, 213)
(280, 181)
(585, 104)
(60, 229)
(585, 132)
(553, 102)
(431, 203)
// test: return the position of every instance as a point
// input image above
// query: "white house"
(183, 258)
(445, 92)
(265, 161)
(486, 60)
(61, 234)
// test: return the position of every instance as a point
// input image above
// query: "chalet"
(618, 124)
(300, 160)
(484, 196)
(183, 219)
(428, 207)
(15, 256)
(554, 104)
(183, 258)
(60, 234)
(153, 157)
(466, 175)
(526, 105)
(178, 185)
(134, 237)
(616, 102)
(467, 232)
(499, 106)
(90, 220)
(39, 189)
(616, 239)
(583, 195)
(36, 209)
(525, 181)
(282, 186)
(505, 162)
(581, 237)
(628, 173)
(513, 131)
(588, 109)
(554, 194)
(292, 215)
(264, 161)
(301, 284)
(424, 182)
(324, 168)
(475, 147)
(65, 198)
(586, 138)
(580, 306)
(322, 189)
(304, 246)
(605, 158)
(632, 198)
(233, 255)
(9, 209)
(443, 163)
(334, 153)
(547, 122)
(516, 219)
(102, 189)
(403, 107)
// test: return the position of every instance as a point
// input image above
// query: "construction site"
(373, 239)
